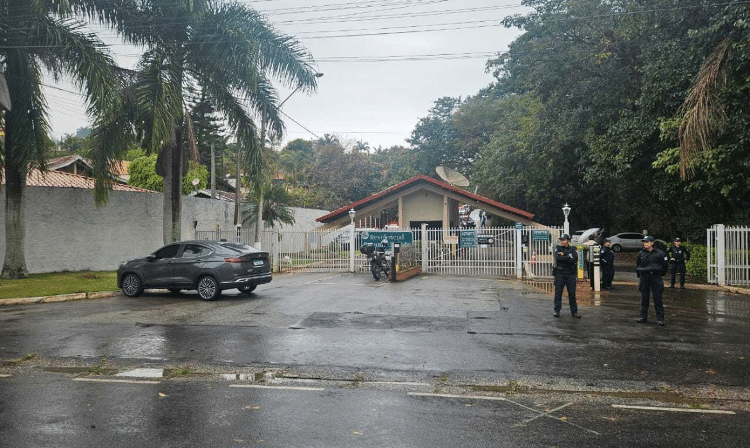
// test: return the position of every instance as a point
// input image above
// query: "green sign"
(392, 236)
(539, 235)
(467, 239)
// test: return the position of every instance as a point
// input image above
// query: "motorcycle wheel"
(375, 269)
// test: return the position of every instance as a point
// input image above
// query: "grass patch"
(51, 284)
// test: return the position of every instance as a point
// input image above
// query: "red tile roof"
(415, 180)
(66, 180)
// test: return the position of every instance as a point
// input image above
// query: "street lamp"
(566, 212)
(352, 213)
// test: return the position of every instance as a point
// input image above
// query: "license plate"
(258, 262)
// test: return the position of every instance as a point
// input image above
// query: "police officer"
(566, 265)
(677, 257)
(650, 266)
(607, 258)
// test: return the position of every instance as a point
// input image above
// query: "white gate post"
(519, 255)
(276, 251)
(352, 239)
(720, 256)
(425, 252)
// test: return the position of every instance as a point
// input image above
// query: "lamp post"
(352, 240)
(566, 212)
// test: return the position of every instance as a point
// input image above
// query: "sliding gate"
(516, 252)
(512, 252)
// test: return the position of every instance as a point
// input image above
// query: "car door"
(186, 267)
(158, 269)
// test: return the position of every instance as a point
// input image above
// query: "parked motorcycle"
(379, 261)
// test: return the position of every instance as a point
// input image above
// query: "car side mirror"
(151, 257)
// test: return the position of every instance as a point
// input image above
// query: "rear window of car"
(238, 248)
(195, 250)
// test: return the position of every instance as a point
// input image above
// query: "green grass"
(39, 285)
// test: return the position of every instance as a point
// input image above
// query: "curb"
(58, 298)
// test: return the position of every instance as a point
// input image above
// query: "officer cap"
(677, 240)
(564, 236)
(648, 238)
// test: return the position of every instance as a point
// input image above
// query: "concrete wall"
(65, 231)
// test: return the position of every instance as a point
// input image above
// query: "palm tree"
(229, 53)
(39, 35)
(275, 201)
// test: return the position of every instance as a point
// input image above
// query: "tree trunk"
(172, 208)
(14, 265)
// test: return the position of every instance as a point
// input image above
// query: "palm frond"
(704, 116)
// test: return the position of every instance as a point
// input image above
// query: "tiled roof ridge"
(61, 179)
(422, 177)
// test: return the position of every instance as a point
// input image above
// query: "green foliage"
(697, 266)
(195, 171)
(143, 174)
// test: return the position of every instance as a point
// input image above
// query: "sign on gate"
(539, 235)
(467, 239)
(392, 236)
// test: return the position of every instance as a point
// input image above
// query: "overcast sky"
(384, 62)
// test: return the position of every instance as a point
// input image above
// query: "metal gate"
(728, 255)
(519, 252)
(513, 252)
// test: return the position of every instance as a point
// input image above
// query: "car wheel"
(248, 288)
(132, 286)
(616, 248)
(208, 288)
(175, 290)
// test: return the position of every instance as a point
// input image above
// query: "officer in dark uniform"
(650, 266)
(566, 266)
(607, 257)
(677, 257)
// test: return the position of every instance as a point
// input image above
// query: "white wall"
(65, 231)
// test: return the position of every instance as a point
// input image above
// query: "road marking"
(259, 386)
(115, 380)
(142, 373)
(468, 397)
(658, 408)
(2, 375)
(548, 413)
(324, 278)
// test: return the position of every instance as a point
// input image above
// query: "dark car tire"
(247, 289)
(132, 285)
(208, 288)
(375, 269)
(175, 290)
(617, 248)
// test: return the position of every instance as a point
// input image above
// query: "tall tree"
(39, 35)
(227, 51)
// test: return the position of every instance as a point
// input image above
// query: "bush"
(697, 266)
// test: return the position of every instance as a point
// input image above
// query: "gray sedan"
(206, 266)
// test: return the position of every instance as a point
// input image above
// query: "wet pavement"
(343, 360)
(483, 331)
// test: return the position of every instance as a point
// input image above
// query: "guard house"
(421, 200)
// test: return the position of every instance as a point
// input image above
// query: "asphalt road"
(343, 360)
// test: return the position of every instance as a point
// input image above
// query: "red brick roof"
(418, 179)
(66, 180)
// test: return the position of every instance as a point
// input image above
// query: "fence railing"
(728, 257)
(496, 251)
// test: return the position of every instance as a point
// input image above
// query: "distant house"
(62, 179)
(75, 164)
